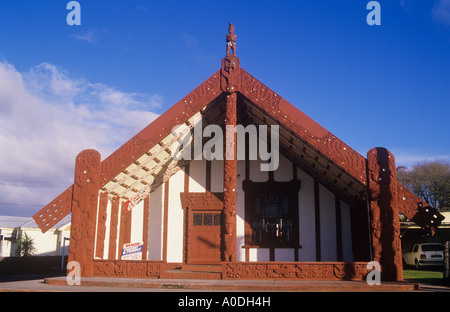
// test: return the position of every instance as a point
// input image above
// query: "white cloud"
(411, 158)
(88, 36)
(47, 118)
(441, 12)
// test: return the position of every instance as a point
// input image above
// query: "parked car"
(425, 254)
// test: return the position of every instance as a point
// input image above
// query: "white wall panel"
(197, 176)
(284, 254)
(306, 216)
(137, 222)
(347, 251)
(108, 229)
(256, 175)
(155, 224)
(328, 244)
(175, 219)
(217, 175)
(259, 254)
(284, 171)
(240, 211)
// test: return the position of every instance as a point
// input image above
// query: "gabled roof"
(144, 162)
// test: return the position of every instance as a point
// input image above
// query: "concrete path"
(98, 284)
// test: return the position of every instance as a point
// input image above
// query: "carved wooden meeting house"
(323, 213)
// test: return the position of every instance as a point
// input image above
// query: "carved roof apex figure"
(231, 40)
(230, 28)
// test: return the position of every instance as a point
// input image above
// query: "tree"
(26, 246)
(430, 180)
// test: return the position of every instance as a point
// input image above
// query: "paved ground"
(38, 285)
(116, 294)
(58, 284)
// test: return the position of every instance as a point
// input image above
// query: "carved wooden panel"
(203, 200)
(230, 74)
(295, 270)
(418, 211)
(55, 211)
(84, 209)
(101, 224)
(148, 269)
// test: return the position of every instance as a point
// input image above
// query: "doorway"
(204, 236)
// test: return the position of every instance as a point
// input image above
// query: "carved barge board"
(55, 211)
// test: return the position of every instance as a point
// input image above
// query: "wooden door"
(204, 236)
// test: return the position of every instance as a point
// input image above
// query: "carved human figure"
(229, 238)
(231, 40)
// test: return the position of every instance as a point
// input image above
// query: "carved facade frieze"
(295, 270)
(202, 200)
(122, 268)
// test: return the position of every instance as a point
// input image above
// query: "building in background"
(50, 243)
(412, 234)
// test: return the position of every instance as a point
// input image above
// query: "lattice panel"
(407, 201)
(55, 211)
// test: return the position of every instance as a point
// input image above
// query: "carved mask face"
(228, 225)
(231, 28)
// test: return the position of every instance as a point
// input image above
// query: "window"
(198, 219)
(207, 219)
(271, 213)
(272, 220)
(435, 247)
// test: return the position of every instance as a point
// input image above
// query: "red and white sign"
(132, 251)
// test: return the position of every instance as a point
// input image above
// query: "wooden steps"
(195, 271)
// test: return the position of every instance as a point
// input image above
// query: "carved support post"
(230, 83)
(384, 213)
(84, 210)
(229, 184)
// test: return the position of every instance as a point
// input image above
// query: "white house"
(50, 243)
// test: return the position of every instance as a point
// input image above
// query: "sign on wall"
(132, 251)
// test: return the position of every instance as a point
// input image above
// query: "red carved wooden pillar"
(230, 83)
(384, 213)
(230, 172)
(84, 210)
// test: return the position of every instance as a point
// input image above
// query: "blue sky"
(66, 88)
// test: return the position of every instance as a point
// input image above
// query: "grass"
(424, 276)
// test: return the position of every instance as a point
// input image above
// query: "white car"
(425, 254)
